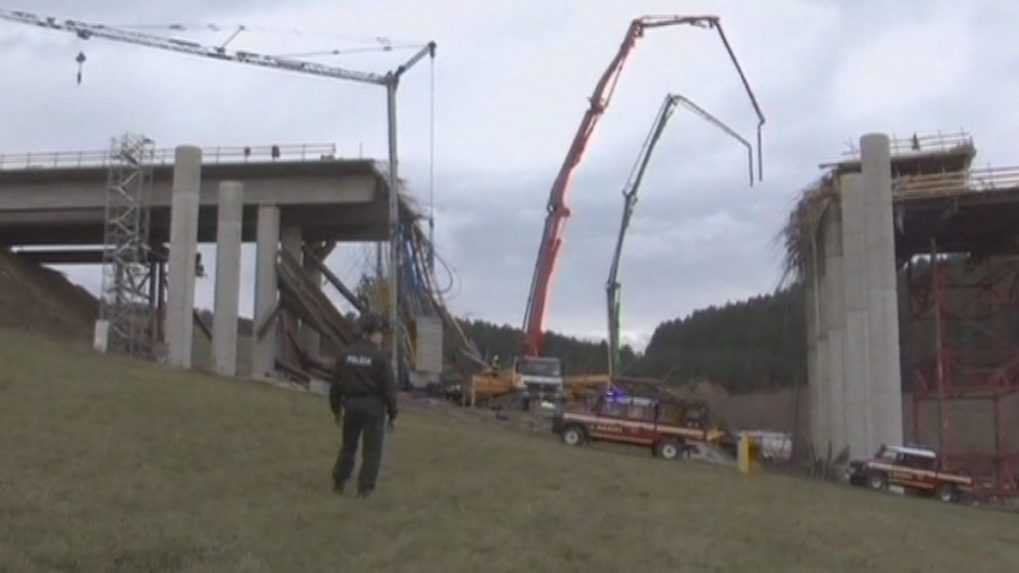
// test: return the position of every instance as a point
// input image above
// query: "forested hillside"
(744, 346)
(579, 356)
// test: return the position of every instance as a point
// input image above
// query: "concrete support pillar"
(882, 299)
(856, 377)
(187, 175)
(823, 429)
(817, 412)
(310, 339)
(291, 241)
(810, 389)
(835, 321)
(228, 277)
(264, 347)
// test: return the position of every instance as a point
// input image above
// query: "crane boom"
(630, 189)
(557, 210)
(85, 31)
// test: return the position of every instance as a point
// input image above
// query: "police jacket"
(362, 370)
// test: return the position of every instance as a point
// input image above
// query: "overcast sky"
(512, 80)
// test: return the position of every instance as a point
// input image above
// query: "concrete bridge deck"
(329, 199)
(281, 198)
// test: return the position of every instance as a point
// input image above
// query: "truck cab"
(538, 378)
(528, 379)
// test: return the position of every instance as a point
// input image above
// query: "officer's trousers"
(364, 416)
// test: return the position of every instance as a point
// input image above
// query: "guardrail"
(916, 144)
(220, 154)
(957, 182)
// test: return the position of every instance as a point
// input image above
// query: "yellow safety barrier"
(748, 455)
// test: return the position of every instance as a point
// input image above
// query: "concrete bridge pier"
(311, 340)
(856, 370)
(835, 322)
(264, 340)
(882, 297)
(187, 179)
(228, 277)
(853, 316)
(292, 242)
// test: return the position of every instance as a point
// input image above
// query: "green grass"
(113, 465)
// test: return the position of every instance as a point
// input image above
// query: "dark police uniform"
(365, 391)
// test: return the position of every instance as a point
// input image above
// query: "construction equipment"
(389, 80)
(531, 378)
(519, 377)
(558, 212)
(639, 412)
(630, 190)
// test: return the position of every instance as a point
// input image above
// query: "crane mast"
(557, 209)
(630, 189)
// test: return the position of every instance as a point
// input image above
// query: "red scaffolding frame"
(960, 370)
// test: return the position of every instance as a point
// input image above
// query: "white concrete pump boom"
(630, 189)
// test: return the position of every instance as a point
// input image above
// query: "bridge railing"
(917, 144)
(210, 155)
(957, 182)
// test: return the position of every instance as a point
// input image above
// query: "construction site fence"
(165, 156)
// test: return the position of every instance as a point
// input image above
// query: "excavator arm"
(630, 189)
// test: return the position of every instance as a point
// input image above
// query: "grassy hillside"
(111, 465)
(39, 299)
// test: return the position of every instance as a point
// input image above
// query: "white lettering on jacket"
(358, 360)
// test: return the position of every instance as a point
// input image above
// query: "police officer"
(362, 395)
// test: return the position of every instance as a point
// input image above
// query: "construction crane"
(630, 189)
(558, 212)
(390, 80)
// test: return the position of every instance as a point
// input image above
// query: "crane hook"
(81, 60)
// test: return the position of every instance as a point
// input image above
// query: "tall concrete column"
(823, 379)
(856, 377)
(815, 358)
(835, 321)
(187, 178)
(291, 241)
(882, 299)
(310, 339)
(264, 348)
(228, 277)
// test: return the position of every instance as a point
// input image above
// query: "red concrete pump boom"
(558, 212)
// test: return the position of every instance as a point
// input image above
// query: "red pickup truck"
(668, 428)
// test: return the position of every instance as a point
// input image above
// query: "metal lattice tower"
(126, 303)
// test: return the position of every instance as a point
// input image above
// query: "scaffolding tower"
(127, 302)
(965, 358)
